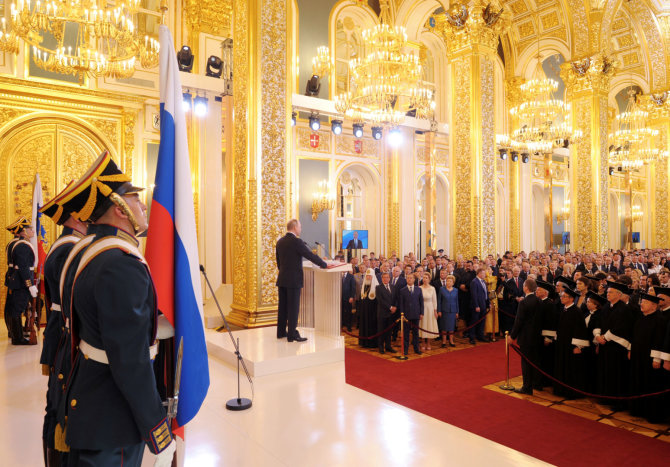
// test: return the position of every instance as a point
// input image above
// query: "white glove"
(33, 290)
(165, 329)
(164, 458)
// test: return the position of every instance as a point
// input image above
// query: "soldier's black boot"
(17, 332)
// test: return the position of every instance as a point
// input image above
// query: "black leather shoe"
(405, 352)
(418, 352)
(524, 391)
(452, 344)
(297, 339)
(472, 341)
(381, 351)
(281, 337)
(21, 342)
(391, 350)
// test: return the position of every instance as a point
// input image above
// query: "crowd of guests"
(586, 323)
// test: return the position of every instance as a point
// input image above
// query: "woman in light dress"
(429, 319)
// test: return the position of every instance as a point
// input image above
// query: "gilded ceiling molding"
(655, 45)
(580, 28)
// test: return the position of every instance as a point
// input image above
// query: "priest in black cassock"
(549, 322)
(594, 304)
(613, 338)
(646, 375)
(571, 338)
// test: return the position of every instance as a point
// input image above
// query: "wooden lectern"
(320, 299)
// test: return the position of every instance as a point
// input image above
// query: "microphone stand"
(239, 403)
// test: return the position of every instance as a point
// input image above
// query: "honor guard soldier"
(19, 279)
(56, 355)
(112, 404)
(10, 269)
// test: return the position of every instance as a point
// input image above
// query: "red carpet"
(451, 390)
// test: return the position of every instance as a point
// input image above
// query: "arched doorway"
(59, 149)
(442, 214)
(537, 220)
(358, 205)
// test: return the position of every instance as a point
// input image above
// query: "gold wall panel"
(303, 136)
(344, 146)
(488, 158)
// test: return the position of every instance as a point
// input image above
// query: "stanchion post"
(507, 386)
(402, 355)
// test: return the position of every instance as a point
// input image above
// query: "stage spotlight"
(214, 66)
(395, 137)
(294, 118)
(186, 101)
(200, 106)
(358, 130)
(377, 132)
(313, 86)
(314, 122)
(525, 158)
(185, 59)
(336, 126)
(515, 156)
(503, 153)
(611, 170)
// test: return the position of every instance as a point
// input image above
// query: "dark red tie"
(516, 280)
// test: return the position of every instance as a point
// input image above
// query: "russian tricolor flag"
(39, 240)
(172, 246)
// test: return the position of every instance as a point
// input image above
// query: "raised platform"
(264, 354)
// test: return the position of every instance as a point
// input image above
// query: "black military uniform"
(10, 269)
(55, 358)
(111, 401)
(19, 280)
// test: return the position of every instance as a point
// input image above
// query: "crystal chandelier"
(386, 81)
(107, 41)
(631, 143)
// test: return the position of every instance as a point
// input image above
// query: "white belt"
(31, 268)
(100, 356)
(55, 307)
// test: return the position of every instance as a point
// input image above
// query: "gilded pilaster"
(659, 111)
(393, 201)
(431, 191)
(260, 175)
(513, 95)
(587, 89)
(472, 42)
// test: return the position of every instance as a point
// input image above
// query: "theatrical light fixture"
(525, 158)
(313, 86)
(503, 153)
(200, 106)
(515, 156)
(336, 126)
(358, 130)
(294, 118)
(395, 137)
(314, 122)
(214, 67)
(377, 132)
(185, 59)
(186, 101)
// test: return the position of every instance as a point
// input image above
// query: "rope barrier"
(374, 336)
(464, 330)
(587, 394)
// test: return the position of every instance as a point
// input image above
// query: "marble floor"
(307, 417)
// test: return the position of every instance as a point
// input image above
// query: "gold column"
(587, 93)
(659, 112)
(472, 45)
(260, 97)
(513, 95)
(431, 191)
(393, 197)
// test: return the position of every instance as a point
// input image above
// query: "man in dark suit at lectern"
(290, 252)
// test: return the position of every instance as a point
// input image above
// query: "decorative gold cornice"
(472, 27)
(210, 16)
(590, 74)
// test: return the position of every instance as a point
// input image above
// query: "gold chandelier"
(107, 42)
(631, 143)
(386, 81)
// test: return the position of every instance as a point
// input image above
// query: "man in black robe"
(594, 305)
(613, 339)
(646, 374)
(527, 330)
(571, 337)
(548, 315)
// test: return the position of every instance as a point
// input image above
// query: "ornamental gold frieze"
(345, 145)
(109, 128)
(462, 160)
(590, 74)
(441, 156)
(661, 193)
(304, 140)
(655, 46)
(584, 205)
(488, 158)
(210, 16)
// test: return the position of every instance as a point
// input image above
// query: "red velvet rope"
(462, 330)
(374, 336)
(587, 394)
